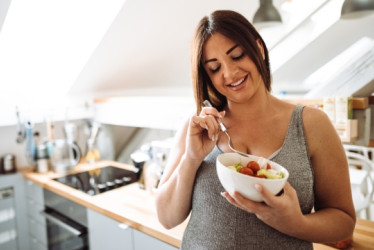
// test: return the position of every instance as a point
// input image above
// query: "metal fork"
(223, 129)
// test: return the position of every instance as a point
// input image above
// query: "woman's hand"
(203, 133)
(280, 212)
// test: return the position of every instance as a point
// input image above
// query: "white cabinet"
(13, 233)
(106, 233)
(8, 227)
(36, 222)
(143, 241)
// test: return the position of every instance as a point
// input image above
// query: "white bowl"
(232, 180)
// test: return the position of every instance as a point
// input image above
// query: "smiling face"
(231, 71)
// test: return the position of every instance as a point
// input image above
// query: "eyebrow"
(227, 52)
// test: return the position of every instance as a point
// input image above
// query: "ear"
(261, 47)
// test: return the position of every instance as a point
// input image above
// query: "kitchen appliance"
(8, 164)
(108, 178)
(140, 158)
(64, 155)
(66, 222)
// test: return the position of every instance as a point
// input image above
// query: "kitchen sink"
(99, 180)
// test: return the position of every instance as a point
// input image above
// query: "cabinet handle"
(123, 226)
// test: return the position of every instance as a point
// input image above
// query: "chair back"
(360, 170)
(368, 152)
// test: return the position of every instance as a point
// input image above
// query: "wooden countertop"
(135, 207)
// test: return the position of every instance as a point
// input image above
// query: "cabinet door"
(16, 182)
(106, 233)
(143, 241)
(36, 222)
(8, 228)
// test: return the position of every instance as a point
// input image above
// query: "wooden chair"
(362, 185)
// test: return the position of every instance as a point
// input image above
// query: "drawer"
(34, 192)
(38, 231)
(7, 225)
(11, 244)
(33, 211)
(6, 198)
(8, 239)
(34, 244)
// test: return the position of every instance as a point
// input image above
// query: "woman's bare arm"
(194, 141)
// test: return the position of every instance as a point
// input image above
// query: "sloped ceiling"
(4, 6)
(332, 42)
(147, 47)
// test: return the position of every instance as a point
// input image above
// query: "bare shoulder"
(315, 117)
(316, 121)
(319, 131)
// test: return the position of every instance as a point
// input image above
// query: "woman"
(230, 67)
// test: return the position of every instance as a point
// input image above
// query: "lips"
(237, 83)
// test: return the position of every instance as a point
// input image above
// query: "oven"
(66, 223)
(66, 220)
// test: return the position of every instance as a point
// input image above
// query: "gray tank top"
(215, 224)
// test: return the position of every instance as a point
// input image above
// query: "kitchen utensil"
(71, 131)
(223, 129)
(50, 130)
(94, 173)
(21, 134)
(71, 135)
(30, 143)
(64, 155)
(92, 153)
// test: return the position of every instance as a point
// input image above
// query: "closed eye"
(237, 58)
(214, 70)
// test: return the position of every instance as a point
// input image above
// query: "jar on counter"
(42, 158)
(8, 164)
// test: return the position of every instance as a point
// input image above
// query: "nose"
(229, 71)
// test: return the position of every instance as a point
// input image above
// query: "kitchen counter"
(135, 207)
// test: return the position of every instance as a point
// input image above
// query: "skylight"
(305, 20)
(45, 44)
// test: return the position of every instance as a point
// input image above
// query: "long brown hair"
(237, 28)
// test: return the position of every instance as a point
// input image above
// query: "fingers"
(212, 111)
(208, 120)
(239, 201)
(268, 197)
(207, 123)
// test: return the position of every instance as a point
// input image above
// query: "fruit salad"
(261, 169)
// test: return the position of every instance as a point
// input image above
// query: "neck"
(255, 108)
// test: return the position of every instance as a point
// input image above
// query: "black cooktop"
(108, 178)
